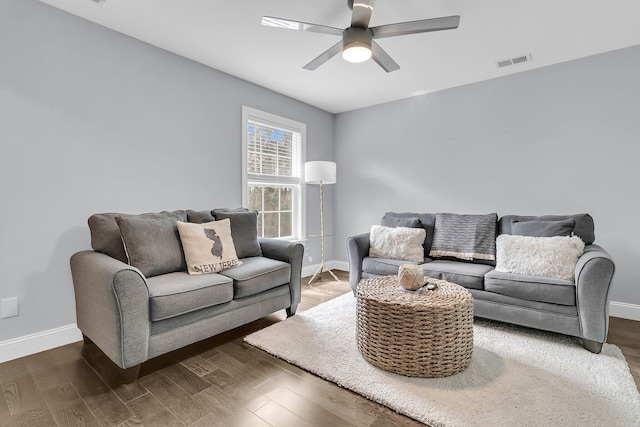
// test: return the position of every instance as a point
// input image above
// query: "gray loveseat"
(136, 312)
(578, 308)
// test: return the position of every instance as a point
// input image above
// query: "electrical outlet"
(8, 307)
(310, 258)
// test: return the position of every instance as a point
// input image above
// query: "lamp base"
(319, 272)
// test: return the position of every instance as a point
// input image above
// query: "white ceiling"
(227, 36)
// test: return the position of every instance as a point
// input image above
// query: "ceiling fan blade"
(382, 58)
(325, 56)
(413, 27)
(270, 21)
(361, 14)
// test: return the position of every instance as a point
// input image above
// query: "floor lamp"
(320, 172)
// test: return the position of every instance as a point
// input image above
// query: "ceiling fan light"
(356, 52)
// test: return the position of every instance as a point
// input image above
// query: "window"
(273, 156)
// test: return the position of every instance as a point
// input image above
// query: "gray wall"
(93, 121)
(560, 139)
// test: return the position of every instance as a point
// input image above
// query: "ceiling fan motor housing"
(357, 36)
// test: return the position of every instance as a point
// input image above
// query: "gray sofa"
(136, 312)
(578, 308)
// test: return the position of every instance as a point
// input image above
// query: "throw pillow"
(105, 232)
(244, 230)
(400, 222)
(397, 243)
(427, 221)
(208, 247)
(543, 228)
(152, 243)
(199, 217)
(584, 224)
(539, 256)
(468, 237)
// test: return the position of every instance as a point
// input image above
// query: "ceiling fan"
(358, 44)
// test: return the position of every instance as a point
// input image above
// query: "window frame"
(299, 193)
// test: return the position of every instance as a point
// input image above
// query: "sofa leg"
(291, 310)
(129, 375)
(592, 346)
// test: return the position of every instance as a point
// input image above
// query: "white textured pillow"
(538, 256)
(397, 243)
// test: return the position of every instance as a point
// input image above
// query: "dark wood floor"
(217, 382)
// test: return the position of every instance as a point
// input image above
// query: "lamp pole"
(322, 266)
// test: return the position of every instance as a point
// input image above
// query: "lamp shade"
(320, 171)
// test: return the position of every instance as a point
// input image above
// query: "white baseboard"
(41, 341)
(624, 310)
(310, 270)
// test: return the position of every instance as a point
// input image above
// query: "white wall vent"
(99, 2)
(513, 61)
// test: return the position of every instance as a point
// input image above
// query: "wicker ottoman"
(424, 334)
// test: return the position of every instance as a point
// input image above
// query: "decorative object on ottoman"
(410, 277)
(423, 334)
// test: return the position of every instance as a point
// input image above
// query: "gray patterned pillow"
(467, 237)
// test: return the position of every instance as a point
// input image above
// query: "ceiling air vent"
(99, 2)
(513, 61)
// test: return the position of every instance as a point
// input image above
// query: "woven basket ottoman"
(423, 334)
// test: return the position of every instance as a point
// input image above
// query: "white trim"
(339, 265)
(624, 310)
(299, 221)
(309, 270)
(41, 341)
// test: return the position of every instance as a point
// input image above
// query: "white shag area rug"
(517, 376)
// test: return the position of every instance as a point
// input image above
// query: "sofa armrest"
(291, 253)
(357, 249)
(594, 272)
(112, 306)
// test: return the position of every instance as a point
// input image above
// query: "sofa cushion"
(105, 233)
(539, 256)
(397, 243)
(258, 274)
(584, 224)
(531, 288)
(467, 237)
(174, 294)
(208, 247)
(469, 275)
(199, 217)
(383, 266)
(427, 221)
(151, 243)
(244, 230)
(543, 228)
